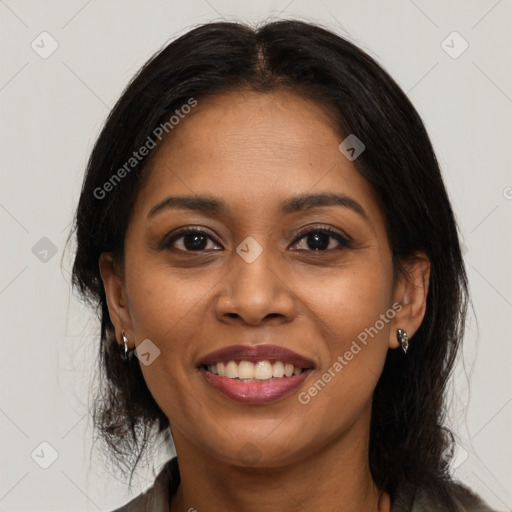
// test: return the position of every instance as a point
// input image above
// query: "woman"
(263, 218)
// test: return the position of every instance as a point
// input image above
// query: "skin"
(253, 151)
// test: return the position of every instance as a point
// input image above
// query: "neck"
(335, 478)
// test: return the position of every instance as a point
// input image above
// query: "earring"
(126, 353)
(403, 339)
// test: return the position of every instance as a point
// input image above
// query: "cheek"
(165, 305)
(355, 313)
(351, 300)
(167, 310)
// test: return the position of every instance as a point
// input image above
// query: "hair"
(408, 441)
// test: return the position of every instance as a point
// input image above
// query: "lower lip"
(255, 392)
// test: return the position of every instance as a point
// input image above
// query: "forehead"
(278, 124)
(254, 150)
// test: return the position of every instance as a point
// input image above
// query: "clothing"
(158, 497)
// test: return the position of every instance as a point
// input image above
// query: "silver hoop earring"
(403, 339)
(126, 353)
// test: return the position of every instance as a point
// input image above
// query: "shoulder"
(157, 497)
(450, 497)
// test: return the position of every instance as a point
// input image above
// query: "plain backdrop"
(52, 108)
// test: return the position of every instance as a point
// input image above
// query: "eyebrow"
(213, 206)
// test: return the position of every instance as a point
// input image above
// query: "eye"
(320, 239)
(191, 240)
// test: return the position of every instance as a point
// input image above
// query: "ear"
(115, 291)
(410, 292)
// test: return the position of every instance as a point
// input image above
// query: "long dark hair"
(407, 438)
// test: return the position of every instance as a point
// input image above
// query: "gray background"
(52, 110)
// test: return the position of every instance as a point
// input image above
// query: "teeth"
(262, 370)
(278, 369)
(248, 371)
(231, 370)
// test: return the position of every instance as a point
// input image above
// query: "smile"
(255, 391)
(256, 373)
(247, 371)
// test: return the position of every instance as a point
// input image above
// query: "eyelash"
(344, 241)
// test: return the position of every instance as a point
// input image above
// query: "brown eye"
(321, 240)
(191, 240)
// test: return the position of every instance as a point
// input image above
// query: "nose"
(255, 293)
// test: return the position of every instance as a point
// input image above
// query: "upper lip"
(256, 353)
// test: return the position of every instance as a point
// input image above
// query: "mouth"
(255, 374)
(248, 371)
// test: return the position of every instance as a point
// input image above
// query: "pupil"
(318, 241)
(196, 244)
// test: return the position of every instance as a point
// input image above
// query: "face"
(264, 263)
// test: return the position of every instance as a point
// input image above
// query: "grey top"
(158, 497)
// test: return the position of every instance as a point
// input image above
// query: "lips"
(255, 353)
(269, 383)
(254, 392)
